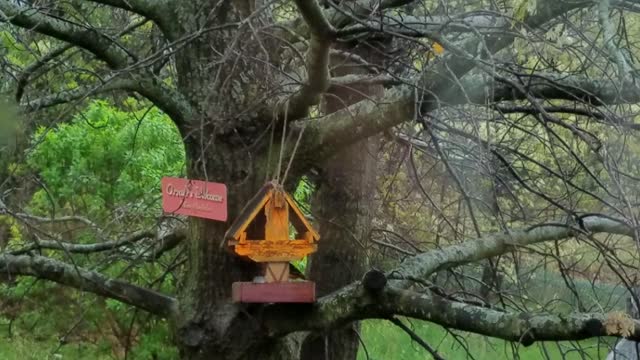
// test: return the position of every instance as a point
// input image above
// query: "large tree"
(256, 90)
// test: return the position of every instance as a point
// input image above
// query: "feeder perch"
(272, 230)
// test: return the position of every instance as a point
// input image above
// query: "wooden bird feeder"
(272, 230)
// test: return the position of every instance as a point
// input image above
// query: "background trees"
(482, 154)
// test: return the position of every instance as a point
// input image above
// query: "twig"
(415, 337)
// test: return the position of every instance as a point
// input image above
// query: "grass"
(383, 340)
(25, 348)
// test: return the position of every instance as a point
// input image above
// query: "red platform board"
(277, 292)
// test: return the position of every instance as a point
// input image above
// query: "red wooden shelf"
(276, 292)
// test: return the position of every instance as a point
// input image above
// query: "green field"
(383, 340)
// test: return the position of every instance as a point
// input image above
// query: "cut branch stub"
(374, 280)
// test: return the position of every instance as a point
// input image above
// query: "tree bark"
(344, 207)
(345, 203)
(210, 326)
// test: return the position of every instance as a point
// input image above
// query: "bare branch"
(83, 248)
(315, 19)
(60, 219)
(89, 39)
(357, 301)
(90, 281)
(328, 134)
(166, 243)
(415, 337)
(492, 245)
(31, 69)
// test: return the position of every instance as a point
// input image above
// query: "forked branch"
(91, 40)
(317, 59)
(359, 301)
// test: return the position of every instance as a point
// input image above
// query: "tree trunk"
(344, 204)
(209, 325)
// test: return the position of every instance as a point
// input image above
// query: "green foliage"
(26, 348)
(15, 234)
(302, 196)
(522, 8)
(153, 344)
(303, 193)
(103, 159)
(38, 344)
(105, 164)
(14, 51)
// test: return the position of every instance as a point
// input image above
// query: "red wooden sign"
(194, 198)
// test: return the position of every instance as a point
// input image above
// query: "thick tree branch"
(361, 300)
(84, 248)
(89, 39)
(329, 134)
(371, 116)
(356, 303)
(427, 26)
(166, 99)
(609, 32)
(317, 59)
(606, 118)
(103, 48)
(160, 11)
(90, 281)
(61, 219)
(79, 93)
(28, 71)
(594, 91)
(425, 264)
